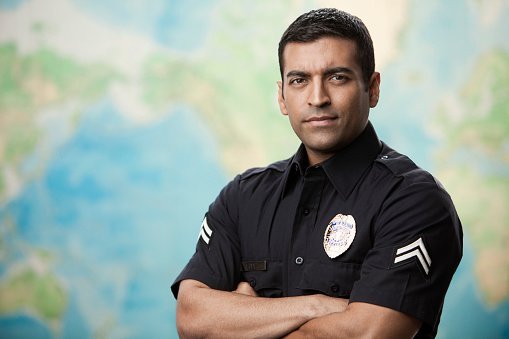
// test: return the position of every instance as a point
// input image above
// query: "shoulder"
(411, 194)
(257, 179)
(262, 179)
(276, 168)
(404, 171)
(413, 199)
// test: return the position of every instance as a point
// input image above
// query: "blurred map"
(120, 121)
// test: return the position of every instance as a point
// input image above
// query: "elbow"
(182, 328)
(193, 318)
(185, 331)
(186, 325)
(188, 312)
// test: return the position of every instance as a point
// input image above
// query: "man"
(346, 239)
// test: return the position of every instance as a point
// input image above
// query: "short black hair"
(331, 22)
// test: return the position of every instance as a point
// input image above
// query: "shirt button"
(334, 288)
(306, 211)
(299, 260)
(252, 282)
(385, 157)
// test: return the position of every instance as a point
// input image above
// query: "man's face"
(324, 94)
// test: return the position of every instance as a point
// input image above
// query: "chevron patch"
(414, 250)
(205, 231)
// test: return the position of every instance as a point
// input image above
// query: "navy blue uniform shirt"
(366, 224)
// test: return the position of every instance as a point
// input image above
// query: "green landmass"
(33, 82)
(40, 293)
(474, 165)
(238, 105)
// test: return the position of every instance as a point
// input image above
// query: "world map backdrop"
(120, 121)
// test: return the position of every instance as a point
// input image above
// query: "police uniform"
(366, 224)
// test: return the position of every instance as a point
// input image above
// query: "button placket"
(304, 224)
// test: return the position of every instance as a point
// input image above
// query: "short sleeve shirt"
(366, 224)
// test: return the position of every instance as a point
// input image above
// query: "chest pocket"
(335, 279)
(266, 282)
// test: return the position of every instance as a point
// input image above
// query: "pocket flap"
(268, 282)
(334, 279)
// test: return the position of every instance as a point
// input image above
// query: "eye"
(297, 81)
(339, 78)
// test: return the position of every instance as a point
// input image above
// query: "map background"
(120, 121)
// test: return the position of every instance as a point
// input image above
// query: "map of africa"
(120, 121)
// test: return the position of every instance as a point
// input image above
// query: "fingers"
(332, 305)
(246, 289)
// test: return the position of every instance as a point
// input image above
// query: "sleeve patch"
(205, 231)
(415, 251)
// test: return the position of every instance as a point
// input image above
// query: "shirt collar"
(346, 167)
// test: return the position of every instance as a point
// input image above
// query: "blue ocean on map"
(114, 209)
(100, 245)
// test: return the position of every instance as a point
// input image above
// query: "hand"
(328, 305)
(324, 306)
(246, 289)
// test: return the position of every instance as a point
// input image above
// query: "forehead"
(320, 54)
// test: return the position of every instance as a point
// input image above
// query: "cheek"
(357, 106)
(292, 111)
(294, 122)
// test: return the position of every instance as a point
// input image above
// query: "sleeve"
(417, 247)
(216, 261)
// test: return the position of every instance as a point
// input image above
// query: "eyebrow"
(299, 74)
(327, 72)
(335, 70)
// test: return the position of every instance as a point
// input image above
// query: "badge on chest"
(339, 235)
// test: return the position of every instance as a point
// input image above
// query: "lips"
(321, 120)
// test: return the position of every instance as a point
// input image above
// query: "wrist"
(315, 307)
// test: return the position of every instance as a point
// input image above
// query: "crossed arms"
(205, 312)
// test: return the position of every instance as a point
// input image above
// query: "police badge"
(339, 235)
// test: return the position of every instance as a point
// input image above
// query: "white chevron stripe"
(418, 243)
(415, 249)
(206, 227)
(205, 231)
(414, 253)
(204, 236)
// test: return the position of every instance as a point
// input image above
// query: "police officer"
(347, 238)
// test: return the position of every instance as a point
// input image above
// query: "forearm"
(225, 315)
(344, 327)
(360, 320)
(204, 312)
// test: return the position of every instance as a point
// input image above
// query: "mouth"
(321, 120)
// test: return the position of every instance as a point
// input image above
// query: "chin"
(324, 149)
(326, 146)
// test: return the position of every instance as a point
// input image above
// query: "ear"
(374, 89)
(281, 99)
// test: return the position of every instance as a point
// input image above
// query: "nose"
(319, 96)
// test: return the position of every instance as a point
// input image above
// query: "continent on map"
(120, 121)
(35, 290)
(30, 85)
(238, 105)
(35, 87)
(474, 165)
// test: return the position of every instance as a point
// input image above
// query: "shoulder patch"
(415, 251)
(205, 231)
